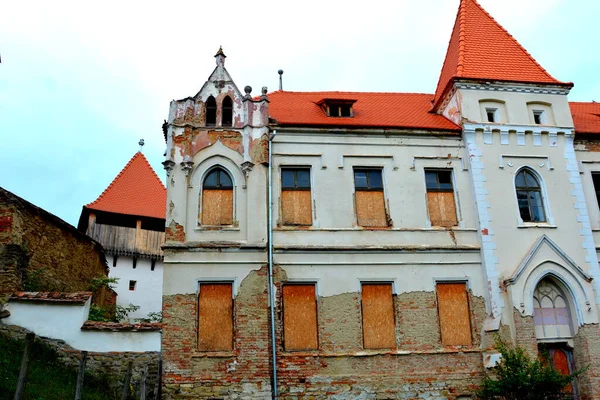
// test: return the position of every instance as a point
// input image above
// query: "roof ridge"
(461, 38)
(514, 40)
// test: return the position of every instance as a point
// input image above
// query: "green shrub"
(518, 376)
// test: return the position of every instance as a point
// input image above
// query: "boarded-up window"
(215, 322)
(300, 317)
(453, 309)
(440, 198)
(217, 198)
(378, 316)
(295, 196)
(370, 201)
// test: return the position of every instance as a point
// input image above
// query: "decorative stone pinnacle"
(220, 52)
(220, 57)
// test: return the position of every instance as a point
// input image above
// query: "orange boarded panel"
(378, 316)
(217, 207)
(295, 207)
(453, 308)
(370, 209)
(442, 209)
(299, 317)
(215, 324)
(561, 364)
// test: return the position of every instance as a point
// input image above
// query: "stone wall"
(586, 354)
(41, 252)
(419, 367)
(113, 365)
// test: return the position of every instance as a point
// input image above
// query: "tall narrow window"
(596, 181)
(217, 198)
(529, 196)
(538, 117)
(227, 115)
(378, 316)
(215, 317)
(453, 310)
(211, 111)
(295, 196)
(440, 198)
(300, 317)
(370, 201)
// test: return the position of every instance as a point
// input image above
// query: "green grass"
(48, 378)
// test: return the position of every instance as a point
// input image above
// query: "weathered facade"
(404, 231)
(41, 252)
(128, 219)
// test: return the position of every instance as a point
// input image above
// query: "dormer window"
(492, 114)
(339, 108)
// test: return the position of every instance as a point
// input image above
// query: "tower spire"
(220, 57)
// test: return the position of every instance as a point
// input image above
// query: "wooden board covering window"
(442, 209)
(453, 309)
(296, 207)
(370, 208)
(217, 207)
(215, 323)
(300, 317)
(378, 316)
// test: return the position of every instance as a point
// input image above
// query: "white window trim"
(549, 223)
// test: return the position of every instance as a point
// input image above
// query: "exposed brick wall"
(586, 353)
(174, 233)
(525, 330)
(113, 364)
(419, 367)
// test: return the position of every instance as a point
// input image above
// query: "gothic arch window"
(227, 119)
(217, 198)
(551, 312)
(211, 111)
(529, 196)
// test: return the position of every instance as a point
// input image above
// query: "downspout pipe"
(270, 250)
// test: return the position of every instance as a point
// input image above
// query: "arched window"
(551, 313)
(211, 111)
(227, 119)
(529, 196)
(217, 198)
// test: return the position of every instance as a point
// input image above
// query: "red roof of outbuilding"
(481, 49)
(137, 190)
(586, 117)
(372, 110)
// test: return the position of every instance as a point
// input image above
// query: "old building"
(128, 219)
(366, 245)
(41, 252)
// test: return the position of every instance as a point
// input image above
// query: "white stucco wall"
(148, 287)
(64, 321)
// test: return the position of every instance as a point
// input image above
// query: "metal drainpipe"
(271, 287)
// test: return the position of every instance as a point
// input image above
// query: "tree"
(518, 376)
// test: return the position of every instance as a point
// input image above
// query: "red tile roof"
(586, 117)
(481, 49)
(373, 110)
(120, 326)
(137, 190)
(52, 297)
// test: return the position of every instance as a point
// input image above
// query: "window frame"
(470, 316)
(369, 188)
(494, 114)
(227, 110)
(215, 281)
(295, 188)
(211, 111)
(596, 188)
(540, 190)
(391, 284)
(308, 282)
(219, 169)
(439, 189)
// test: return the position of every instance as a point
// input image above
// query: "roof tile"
(373, 110)
(586, 117)
(137, 190)
(480, 48)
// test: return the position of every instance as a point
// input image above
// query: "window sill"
(216, 228)
(212, 354)
(374, 352)
(527, 225)
(358, 229)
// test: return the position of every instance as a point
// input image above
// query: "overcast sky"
(81, 82)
